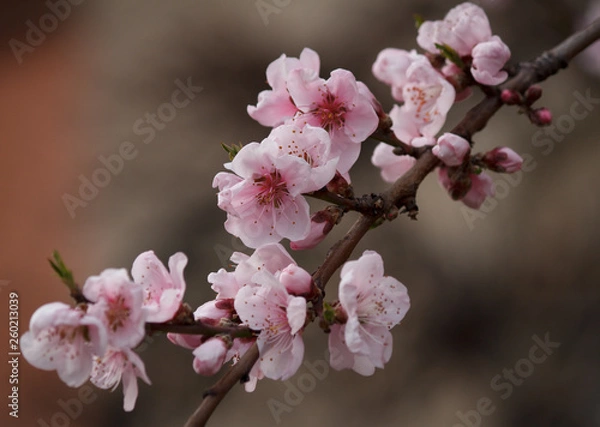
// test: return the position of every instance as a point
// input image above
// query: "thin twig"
(216, 393)
(388, 136)
(199, 328)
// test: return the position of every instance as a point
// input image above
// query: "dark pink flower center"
(272, 189)
(117, 313)
(331, 112)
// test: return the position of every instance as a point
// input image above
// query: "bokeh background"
(482, 285)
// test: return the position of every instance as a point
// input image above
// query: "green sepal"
(450, 54)
(418, 20)
(328, 313)
(232, 149)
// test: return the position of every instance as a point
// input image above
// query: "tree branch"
(385, 134)
(213, 396)
(200, 328)
(405, 188)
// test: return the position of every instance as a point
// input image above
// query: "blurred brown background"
(481, 287)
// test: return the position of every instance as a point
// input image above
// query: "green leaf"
(418, 20)
(232, 149)
(58, 265)
(450, 54)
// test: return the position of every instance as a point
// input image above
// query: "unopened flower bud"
(184, 340)
(451, 149)
(296, 280)
(321, 224)
(482, 186)
(540, 116)
(489, 58)
(339, 185)
(457, 186)
(533, 93)
(503, 159)
(209, 357)
(510, 97)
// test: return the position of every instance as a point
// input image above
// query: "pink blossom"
(224, 282)
(116, 365)
(373, 304)
(275, 106)
(163, 291)
(451, 149)
(479, 187)
(281, 276)
(269, 308)
(264, 201)
(482, 186)
(185, 340)
(426, 94)
(118, 304)
(271, 258)
(392, 166)
(428, 98)
(297, 281)
(464, 26)
(488, 59)
(210, 353)
(339, 105)
(503, 159)
(391, 67)
(323, 221)
(265, 205)
(209, 356)
(213, 311)
(254, 376)
(311, 144)
(315, 236)
(64, 339)
(379, 350)
(443, 178)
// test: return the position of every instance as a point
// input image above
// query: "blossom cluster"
(427, 93)
(318, 127)
(271, 294)
(267, 292)
(95, 339)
